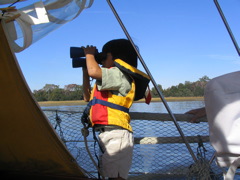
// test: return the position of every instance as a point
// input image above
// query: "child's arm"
(86, 85)
(93, 68)
(198, 113)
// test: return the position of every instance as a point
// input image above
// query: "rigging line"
(4, 11)
(153, 81)
(13, 3)
(227, 26)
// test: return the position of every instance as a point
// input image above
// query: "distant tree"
(40, 95)
(154, 91)
(73, 92)
(57, 94)
(204, 79)
(71, 87)
(199, 91)
(187, 89)
(50, 87)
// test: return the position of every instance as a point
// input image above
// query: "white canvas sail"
(40, 18)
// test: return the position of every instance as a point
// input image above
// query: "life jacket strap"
(108, 104)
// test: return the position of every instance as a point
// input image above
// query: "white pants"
(116, 159)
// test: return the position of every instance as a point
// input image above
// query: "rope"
(58, 124)
(85, 133)
(201, 169)
(4, 11)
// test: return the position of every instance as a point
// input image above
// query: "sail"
(36, 20)
(29, 145)
(30, 148)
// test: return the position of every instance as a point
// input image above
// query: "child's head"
(121, 49)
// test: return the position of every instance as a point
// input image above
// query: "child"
(111, 98)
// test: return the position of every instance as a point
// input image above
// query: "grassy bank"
(75, 103)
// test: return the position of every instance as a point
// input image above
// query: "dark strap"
(109, 104)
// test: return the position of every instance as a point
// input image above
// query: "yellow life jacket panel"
(111, 109)
(141, 79)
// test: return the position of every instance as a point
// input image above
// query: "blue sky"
(179, 40)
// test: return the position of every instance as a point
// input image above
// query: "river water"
(156, 107)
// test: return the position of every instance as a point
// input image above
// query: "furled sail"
(36, 20)
(30, 148)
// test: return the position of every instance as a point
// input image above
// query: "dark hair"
(121, 49)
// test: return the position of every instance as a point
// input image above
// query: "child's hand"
(89, 50)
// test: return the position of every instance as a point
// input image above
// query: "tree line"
(52, 92)
(187, 89)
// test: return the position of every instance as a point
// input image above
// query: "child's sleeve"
(113, 79)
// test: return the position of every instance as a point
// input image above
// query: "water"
(154, 107)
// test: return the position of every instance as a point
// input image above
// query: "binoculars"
(78, 57)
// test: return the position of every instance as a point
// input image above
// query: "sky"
(179, 40)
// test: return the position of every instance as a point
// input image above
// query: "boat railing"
(159, 150)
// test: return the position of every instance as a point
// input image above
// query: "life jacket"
(110, 109)
(222, 102)
(141, 79)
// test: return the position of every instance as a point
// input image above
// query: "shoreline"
(81, 102)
